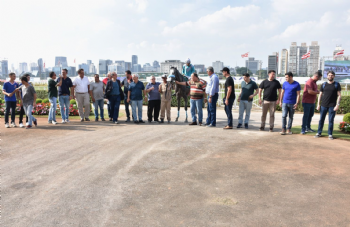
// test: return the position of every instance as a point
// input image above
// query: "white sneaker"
(7, 125)
(63, 121)
(27, 123)
(13, 125)
(21, 125)
(67, 121)
(54, 122)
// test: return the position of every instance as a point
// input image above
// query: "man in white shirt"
(81, 86)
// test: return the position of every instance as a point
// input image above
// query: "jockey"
(188, 69)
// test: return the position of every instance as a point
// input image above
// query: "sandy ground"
(99, 174)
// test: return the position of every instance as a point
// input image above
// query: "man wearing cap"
(212, 91)
(165, 88)
(229, 96)
(188, 69)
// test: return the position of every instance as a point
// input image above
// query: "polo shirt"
(52, 88)
(66, 85)
(81, 84)
(248, 89)
(9, 88)
(136, 90)
(290, 92)
(154, 94)
(308, 98)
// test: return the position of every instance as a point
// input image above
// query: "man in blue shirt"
(64, 95)
(153, 100)
(188, 69)
(10, 90)
(135, 96)
(212, 91)
(290, 95)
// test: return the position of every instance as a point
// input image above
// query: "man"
(52, 88)
(105, 80)
(212, 91)
(291, 96)
(81, 86)
(197, 93)
(10, 91)
(270, 87)
(165, 88)
(245, 99)
(97, 95)
(309, 98)
(188, 69)
(21, 112)
(126, 83)
(153, 109)
(135, 96)
(64, 95)
(28, 100)
(230, 96)
(328, 101)
(114, 94)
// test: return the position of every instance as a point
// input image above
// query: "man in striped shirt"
(197, 94)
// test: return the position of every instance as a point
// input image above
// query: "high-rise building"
(134, 60)
(61, 61)
(148, 68)
(296, 64)
(85, 67)
(284, 62)
(128, 66)
(199, 68)
(57, 70)
(302, 62)
(165, 66)
(92, 68)
(121, 69)
(218, 65)
(313, 64)
(253, 65)
(33, 67)
(4, 68)
(136, 68)
(23, 67)
(272, 63)
(103, 66)
(72, 71)
(89, 62)
(40, 65)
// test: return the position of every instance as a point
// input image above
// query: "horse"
(181, 91)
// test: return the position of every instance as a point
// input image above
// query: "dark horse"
(181, 91)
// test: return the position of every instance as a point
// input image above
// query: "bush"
(42, 94)
(2, 101)
(39, 101)
(73, 102)
(46, 101)
(346, 118)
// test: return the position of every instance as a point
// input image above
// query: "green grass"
(337, 134)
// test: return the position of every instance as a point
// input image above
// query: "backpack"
(336, 84)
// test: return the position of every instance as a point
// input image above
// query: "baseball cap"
(164, 76)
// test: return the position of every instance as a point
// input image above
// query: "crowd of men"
(159, 96)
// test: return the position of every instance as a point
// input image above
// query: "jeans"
(246, 106)
(53, 106)
(211, 119)
(197, 104)
(228, 111)
(331, 116)
(99, 104)
(28, 110)
(309, 110)
(21, 113)
(64, 103)
(138, 104)
(114, 102)
(10, 105)
(109, 109)
(127, 111)
(287, 108)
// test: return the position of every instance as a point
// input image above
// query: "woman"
(114, 94)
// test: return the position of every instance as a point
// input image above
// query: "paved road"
(98, 174)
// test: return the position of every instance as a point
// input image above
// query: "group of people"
(159, 96)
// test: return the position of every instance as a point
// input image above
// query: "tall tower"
(134, 60)
(313, 64)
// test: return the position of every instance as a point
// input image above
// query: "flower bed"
(344, 127)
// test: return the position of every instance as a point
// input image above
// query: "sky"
(202, 30)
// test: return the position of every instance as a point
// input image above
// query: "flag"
(307, 55)
(339, 53)
(74, 60)
(245, 55)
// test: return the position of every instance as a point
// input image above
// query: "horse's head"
(175, 74)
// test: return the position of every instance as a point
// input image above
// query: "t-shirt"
(64, 88)
(329, 95)
(97, 90)
(136, 90)
(229, 82)
(154, 94)
(308, 98)
(270, 89)
(81, 84)
(290, 92)
(9, 88)
(115, 90)
(248, 89)
(52, 88)
(126, 85)
(197, 89)
(28, 95)
(105, 80)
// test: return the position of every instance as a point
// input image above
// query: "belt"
(81, 93)
(64, 95)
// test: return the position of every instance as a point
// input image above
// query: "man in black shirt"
(328, 101)
(126, 83)
(64, 95)
(229, 96)
(270, 87)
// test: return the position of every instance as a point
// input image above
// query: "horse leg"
(178, 108)
(186, 102)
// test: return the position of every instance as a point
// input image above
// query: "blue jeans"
(331, 116)
(28, 110)
(228, 111)
(211, 119)
(138, 104)
(246, 106)
(197, 104)
(309, 110)
(53, 106)
(287, 108)
(64, 103)
(114, 103)
(99, 103)
(10, 105)
(127, 106)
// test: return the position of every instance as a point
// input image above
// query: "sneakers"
(283, 132)
(54, 122)
(317, 136)
(67, 121)
(116, 122)
(309, 130)
(28, 127)
(128, 119)
(239, 126)
(13, 124)
(96, 119)
(35, 122)
(141, 121)
(302, 133)
(210, 126)
(21, 125)
(110, 119)
(63, 121)
(50, 122)
(7, 125)
(82, 120)
(271, 130)
(87, 119)
(193, 123)
(228, 127)
(246, 126)
(102, 119)
(330, 137)
(261, 129)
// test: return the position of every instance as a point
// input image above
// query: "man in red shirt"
(309, 98)
(105, 80)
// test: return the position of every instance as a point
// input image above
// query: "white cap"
(188, 60)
